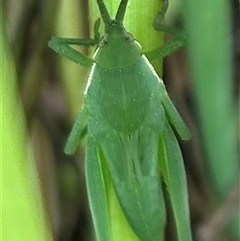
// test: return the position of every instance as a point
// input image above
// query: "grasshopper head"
(117, 48)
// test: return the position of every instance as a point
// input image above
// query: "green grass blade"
(210, 61)
(119, 225)
(210, 53)
(23, 215)
(172, 168)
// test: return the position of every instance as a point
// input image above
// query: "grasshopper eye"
(129, 37)
(103, 41)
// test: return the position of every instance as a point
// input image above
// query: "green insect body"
(126, 110)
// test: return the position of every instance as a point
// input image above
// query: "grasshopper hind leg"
(97, 192)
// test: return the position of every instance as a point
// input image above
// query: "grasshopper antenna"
(121, 11)
(104, 13)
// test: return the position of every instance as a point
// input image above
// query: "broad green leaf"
(23, 215)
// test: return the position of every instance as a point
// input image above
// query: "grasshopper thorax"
(117, 48)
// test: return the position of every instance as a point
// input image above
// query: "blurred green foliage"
(23, 216)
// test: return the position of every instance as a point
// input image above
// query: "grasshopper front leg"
(63, 48)
(179, 40)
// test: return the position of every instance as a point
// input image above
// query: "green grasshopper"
(126, 114)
